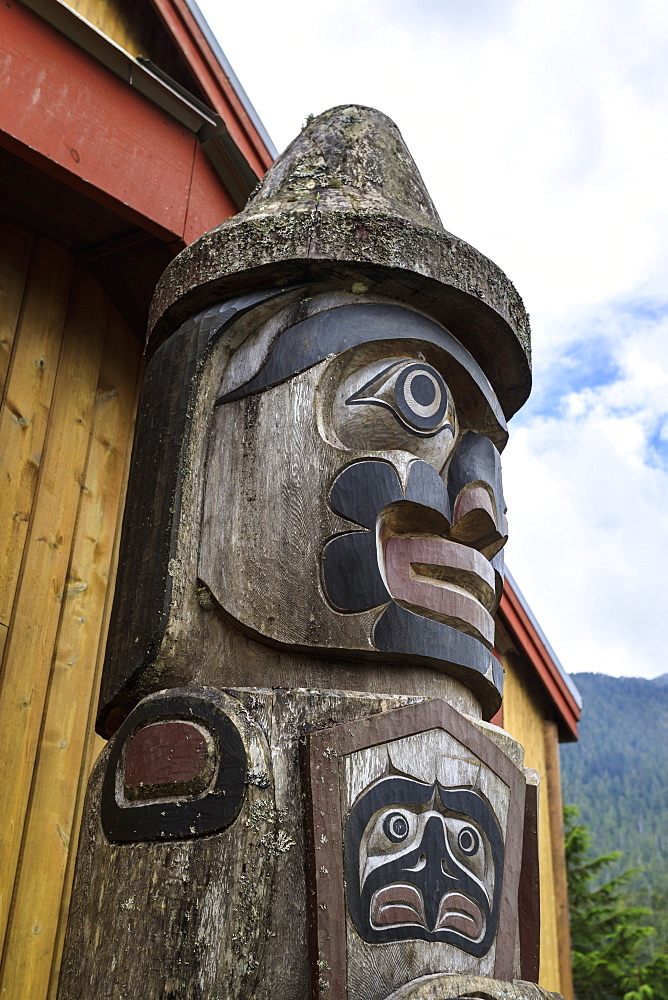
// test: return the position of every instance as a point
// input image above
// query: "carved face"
(423, 861)
(354, 501)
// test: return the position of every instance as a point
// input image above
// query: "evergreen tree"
(607, 937)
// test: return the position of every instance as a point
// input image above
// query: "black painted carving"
(423, 861)
(154, 497)
(477, 460)
(352, 579)
(426, 487)
(401, 631)
(185, 817)
(414, 393)
(363, 489)
(335, 330)
(350, 572)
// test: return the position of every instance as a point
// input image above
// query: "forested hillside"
(617, 775)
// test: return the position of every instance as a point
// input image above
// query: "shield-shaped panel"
(416, 851)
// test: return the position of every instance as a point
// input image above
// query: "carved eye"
(415, 394)
(396, 827)
(468, 841)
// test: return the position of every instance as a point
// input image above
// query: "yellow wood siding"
(138, 29)
(65, 434)
(525, 710)
(116, 21)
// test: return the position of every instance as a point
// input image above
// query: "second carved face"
(424, 862)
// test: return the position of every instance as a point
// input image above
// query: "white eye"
(396, 827)
(468, 841)
(396, 404)
(413, 392)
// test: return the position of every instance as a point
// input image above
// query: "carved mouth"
(401, 903)
(444, 580)
(459, 913)
(398, 903)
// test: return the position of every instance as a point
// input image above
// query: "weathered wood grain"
(16, 246)
(266, 509)
(50, 831)
(338, 772)
(193, 912)
(25, 412)
(345, 201)
(151, 643)
(208, 915)
(451, 987)
(236, 900)
(43, 578)
(155, 488)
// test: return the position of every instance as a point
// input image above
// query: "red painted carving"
(169, 753)
(453, 581)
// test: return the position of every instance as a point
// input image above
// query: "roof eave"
(517, 619)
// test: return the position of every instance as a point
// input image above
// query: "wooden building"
(124, 135)
(541, 708)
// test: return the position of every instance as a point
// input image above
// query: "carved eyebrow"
(336, 330)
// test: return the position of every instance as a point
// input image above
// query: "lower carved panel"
(406, 817)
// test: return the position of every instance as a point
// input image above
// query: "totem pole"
(301, 797)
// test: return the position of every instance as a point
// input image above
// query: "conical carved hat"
(345, 206)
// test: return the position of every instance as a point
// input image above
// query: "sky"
(541, 131)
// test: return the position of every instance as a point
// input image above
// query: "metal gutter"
(160, 89)
(570, 684)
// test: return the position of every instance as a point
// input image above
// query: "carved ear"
(474, 486)
(176, 769)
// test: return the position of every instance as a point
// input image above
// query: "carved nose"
(436, 874)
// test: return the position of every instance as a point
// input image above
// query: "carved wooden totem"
(301, 797)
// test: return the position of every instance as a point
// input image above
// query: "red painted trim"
(523, 634)
(75, 120)
(497, 720)
(209, 203)
(100, 135)
(182, 26)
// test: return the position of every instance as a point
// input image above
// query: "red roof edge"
(186, 25)
(526, 637)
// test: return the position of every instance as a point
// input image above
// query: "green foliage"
(616, 775)
(607, 936)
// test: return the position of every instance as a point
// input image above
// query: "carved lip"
(444, 580)
(399, 903)
(459, 913)
(402, 903)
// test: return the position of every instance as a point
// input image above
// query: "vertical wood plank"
(556, 819)
(524, 712)
(93, 744)
(3, 639)
(15, 248)
(35, 622)
(24, 416)
(48, 834)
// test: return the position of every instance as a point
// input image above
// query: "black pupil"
(423, 390)
(467, 841)
(396, 827)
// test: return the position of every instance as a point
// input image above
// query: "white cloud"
(540, 130)
(587, 492)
